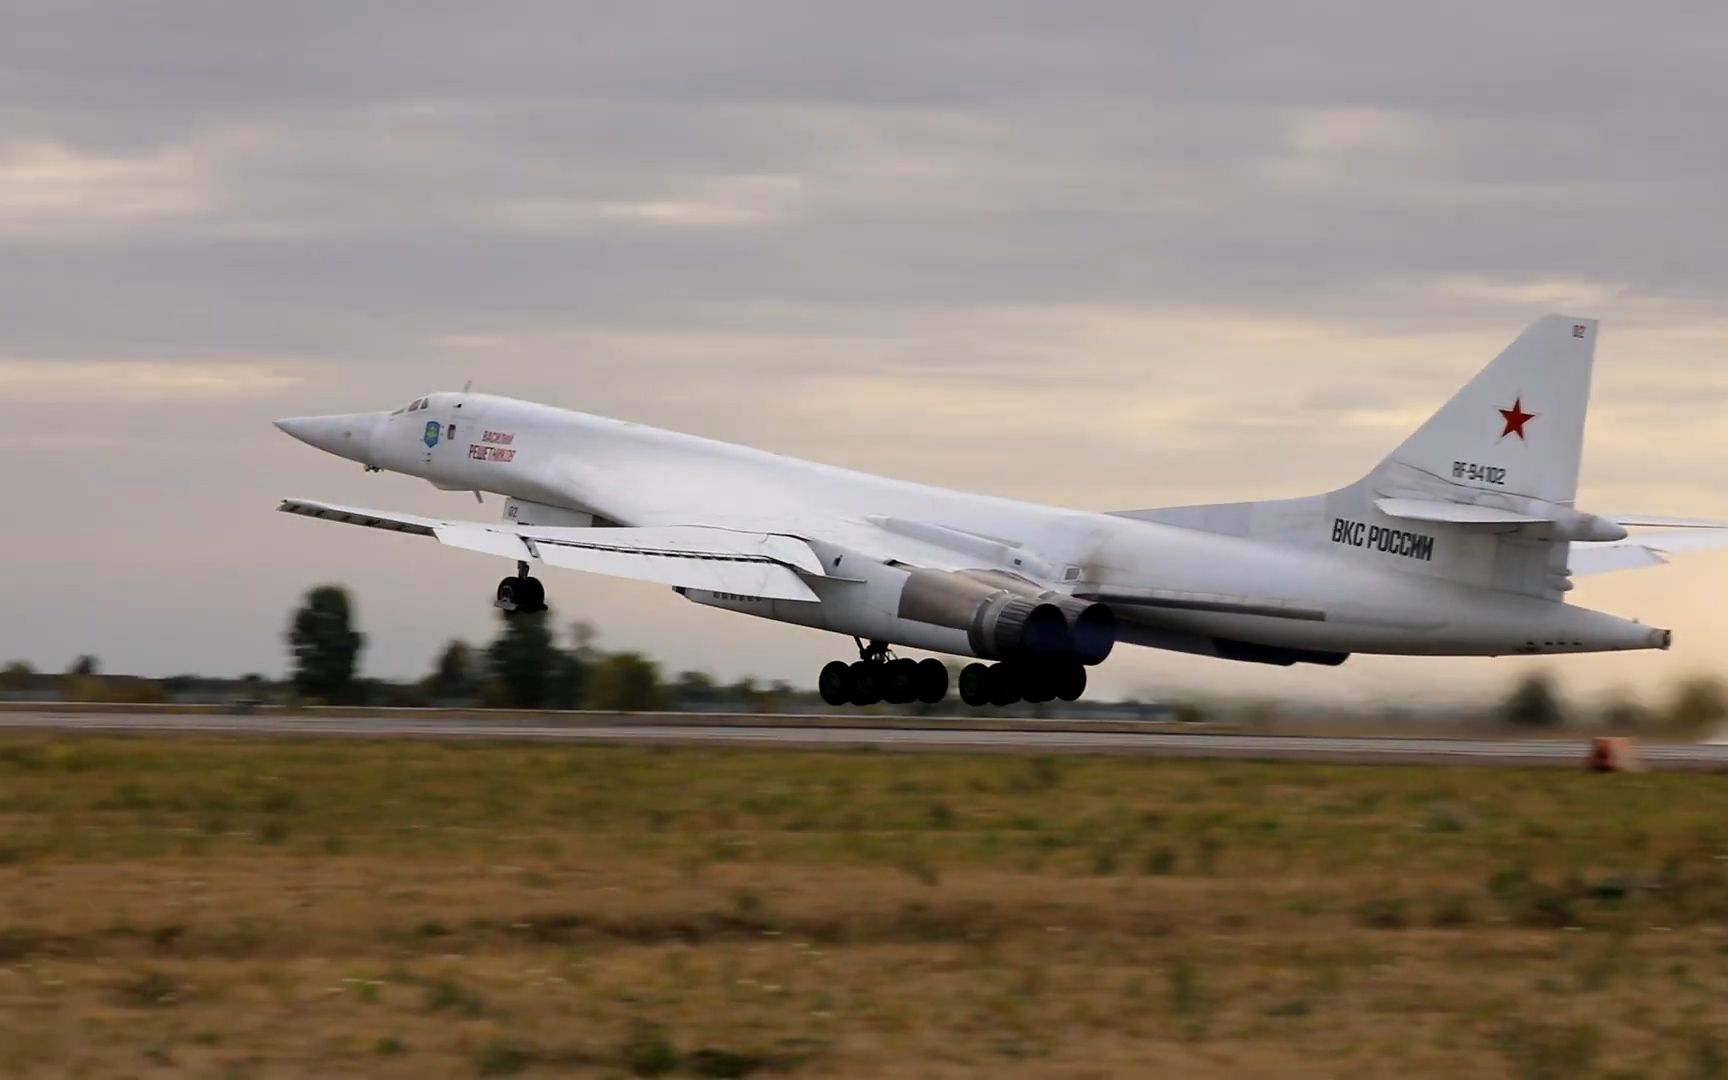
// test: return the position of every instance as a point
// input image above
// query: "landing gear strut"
(521, 595)
(877, 675)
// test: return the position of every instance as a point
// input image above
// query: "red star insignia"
(1516, 418)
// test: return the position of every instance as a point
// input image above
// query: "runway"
(838, 733)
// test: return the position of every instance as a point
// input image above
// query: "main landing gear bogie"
(1010, 682)
(877, 677)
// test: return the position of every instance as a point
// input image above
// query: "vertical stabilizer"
(1517, 428)
(1481, 493)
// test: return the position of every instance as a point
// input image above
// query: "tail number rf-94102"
(1481, 474)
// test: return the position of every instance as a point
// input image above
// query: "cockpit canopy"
(413, 406)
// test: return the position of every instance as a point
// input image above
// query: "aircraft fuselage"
(1354, 585)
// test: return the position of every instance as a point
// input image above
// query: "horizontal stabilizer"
(1663, 521)
(1454, 513)
(1607, 558)
(1645, 549)
(684, 556)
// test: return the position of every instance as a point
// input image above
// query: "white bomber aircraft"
(1463, 542)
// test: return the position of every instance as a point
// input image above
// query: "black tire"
(975, 685)
(866, 683)
(509, 594)
(533, 594)
(1038, 683)
(932, 681)
(899, 681)
(1070, 681)
(835, 683)
(1004, 685)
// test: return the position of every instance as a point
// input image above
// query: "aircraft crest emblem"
(431, 436)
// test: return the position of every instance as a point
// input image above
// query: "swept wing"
(688, 556)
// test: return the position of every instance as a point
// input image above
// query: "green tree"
(253, 688)
(16, 676)
(569, 681)
(1699, 707)
(325, 645)
(692, 688)
(81, 682)
(1533, 703)
(582, 641)
(454, 675)
(626, 682)
(1621, 712)
(746, 693)
(523, 660)
(774, 699)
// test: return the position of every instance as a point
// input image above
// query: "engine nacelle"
(998, 622)
(979, 613)
(1091, 627)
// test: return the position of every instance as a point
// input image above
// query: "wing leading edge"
(685, 556)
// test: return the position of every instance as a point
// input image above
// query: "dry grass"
(288, 908)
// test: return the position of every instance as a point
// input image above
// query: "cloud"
(100, 382)
(51, 190)
(1555, 294)
(705, 202)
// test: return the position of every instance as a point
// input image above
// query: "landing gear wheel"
(835, 683)
(533, 595)
(1070, 681)
(866, 683)
(931, 680)
(523, 595)
(975, 685)
(1003, 684)
(899, 681)
(1038, 683)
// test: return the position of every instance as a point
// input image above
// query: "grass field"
(411, 909)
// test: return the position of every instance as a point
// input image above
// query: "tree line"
(525, 666)
(1696, 706)
(529, 665)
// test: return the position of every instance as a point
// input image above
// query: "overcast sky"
(1106, 255)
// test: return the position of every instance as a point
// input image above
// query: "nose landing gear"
(521, 595)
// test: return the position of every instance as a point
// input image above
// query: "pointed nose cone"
(348, 436)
